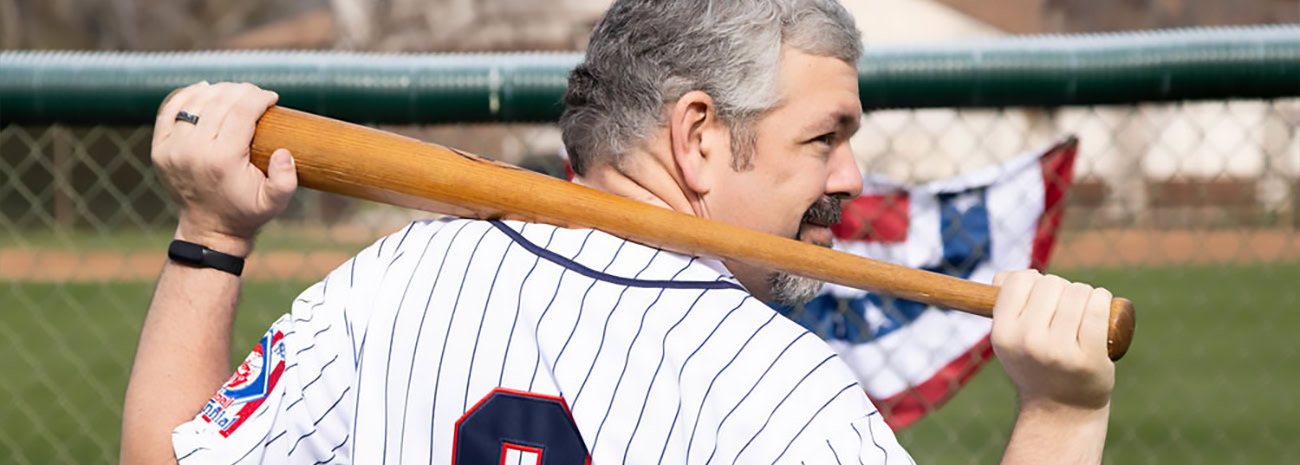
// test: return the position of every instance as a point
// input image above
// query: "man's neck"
(644, 177)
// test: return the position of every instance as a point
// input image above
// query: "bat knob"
(1123, 319)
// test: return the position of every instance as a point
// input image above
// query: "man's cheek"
(795, 230)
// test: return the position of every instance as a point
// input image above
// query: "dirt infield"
(1133, 247)
(1090, 249)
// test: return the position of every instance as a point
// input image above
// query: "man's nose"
(845, 180)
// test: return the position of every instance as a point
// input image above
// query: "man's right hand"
(1050, 336)
(223, 199)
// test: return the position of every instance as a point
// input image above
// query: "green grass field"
(1210, 377)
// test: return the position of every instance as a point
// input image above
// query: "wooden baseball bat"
(357, 161)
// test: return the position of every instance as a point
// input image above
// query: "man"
(487, 342)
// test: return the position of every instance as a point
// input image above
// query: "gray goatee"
(788, 289)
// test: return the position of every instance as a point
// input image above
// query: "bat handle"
(1119, 334)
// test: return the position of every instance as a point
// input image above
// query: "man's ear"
(698, 138)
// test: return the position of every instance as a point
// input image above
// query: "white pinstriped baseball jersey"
(469, 342)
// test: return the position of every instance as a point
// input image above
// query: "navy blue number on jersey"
(529, 423)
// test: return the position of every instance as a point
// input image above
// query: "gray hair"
(645, 54)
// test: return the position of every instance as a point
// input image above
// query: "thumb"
(281, 179)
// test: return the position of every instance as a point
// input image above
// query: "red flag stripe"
(874, 218)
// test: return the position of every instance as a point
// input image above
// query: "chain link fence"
(1188, 209)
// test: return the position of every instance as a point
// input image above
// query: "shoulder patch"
(252, 382)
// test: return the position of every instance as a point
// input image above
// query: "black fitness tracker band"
(189, 253)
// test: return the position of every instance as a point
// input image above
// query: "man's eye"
(828, 138)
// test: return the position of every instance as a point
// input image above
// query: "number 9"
(525, 422)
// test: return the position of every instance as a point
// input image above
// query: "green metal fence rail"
(1173, 65)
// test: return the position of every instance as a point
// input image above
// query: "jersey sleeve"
(866, 440)
(292, 399)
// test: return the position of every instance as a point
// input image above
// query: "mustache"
(824, 212)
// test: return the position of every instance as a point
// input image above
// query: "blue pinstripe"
(519, 302)
(662, 353)
(627, 358)
(479, 332)
(833, 453)
(751, 391)
(397, 313)
(778, 407)
(582, 304)
(709, 390)
(558, 284)
(318, 420)
(859, 433)
(872, 431)
(813, 417)
(332, 451)
(673, 425)
(415, 350)
(608, 316)
(365, 334)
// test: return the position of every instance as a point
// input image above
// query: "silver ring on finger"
(187, 117)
